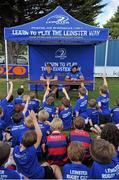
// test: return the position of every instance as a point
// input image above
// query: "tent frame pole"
(6, 58)
(106, 56)
(94, 65)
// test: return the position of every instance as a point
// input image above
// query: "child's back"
(27, 162)
(75, 170)
(56, 144)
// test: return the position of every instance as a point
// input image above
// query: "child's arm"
(83, 86)
(37, 129)
(46, 92)
(26, 105)
(105, 81)
(65, 92)
(10, 91)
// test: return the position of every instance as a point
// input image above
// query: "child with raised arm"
(25, 155)
(82, 102)
(66, 113)
(75, 170)
(103, 103)
(48, 103)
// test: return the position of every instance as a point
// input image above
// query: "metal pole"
(6, 57)
(106, 56)
(94, 65)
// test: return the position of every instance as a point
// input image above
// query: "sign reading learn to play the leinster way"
(55, 26)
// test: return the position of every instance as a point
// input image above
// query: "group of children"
(31, 133)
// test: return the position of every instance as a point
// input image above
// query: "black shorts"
(103, 119)
(49, 173)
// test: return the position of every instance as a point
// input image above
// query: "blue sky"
(108, 11)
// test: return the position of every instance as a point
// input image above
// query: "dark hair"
(18, 108)
(102, 151)
(11, 98)
(1, 110)
(111, 133)
(75, 66)
(92, 103)
(65, 102)
(48, 65)
(29, 139)
(79, 123)
(17, 117)
(104, 89)
(82, 91)
(4, 152)
(117, 101)
(20, 91)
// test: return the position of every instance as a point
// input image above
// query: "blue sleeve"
(77, 107)
(4, 103)
(98, 99)
(80, 73)
(68, 75)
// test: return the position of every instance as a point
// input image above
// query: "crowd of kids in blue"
(31, 133)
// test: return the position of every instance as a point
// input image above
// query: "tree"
(113, 25)
(16, 12)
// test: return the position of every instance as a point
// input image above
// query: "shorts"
(49, 174)
(103, 119)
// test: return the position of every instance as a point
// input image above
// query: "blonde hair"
(29, 122)
(56, 124)
(76, 151)
(43, 115)
(32, 95)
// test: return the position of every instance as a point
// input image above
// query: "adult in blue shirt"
(74, 75)
(49, 76)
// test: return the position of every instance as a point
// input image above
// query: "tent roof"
(58, 27)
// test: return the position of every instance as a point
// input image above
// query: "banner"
(111, 71)
(14, 70)
(62, 58)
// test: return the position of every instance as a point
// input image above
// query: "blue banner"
(61, 58)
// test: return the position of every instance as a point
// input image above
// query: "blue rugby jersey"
(93, 114)
(56, 148)
(27, 163)
(115, 114)
(75, 171)
(105, 171)
(17, 131)
(76, 75)
(81, 106)
(66, 117)
(51, 109)
(104, 100)
(47, 75)
(18, 100)
(34, 105)
(6, 173)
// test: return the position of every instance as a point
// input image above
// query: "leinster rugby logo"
(58, 19)
(60, 53)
